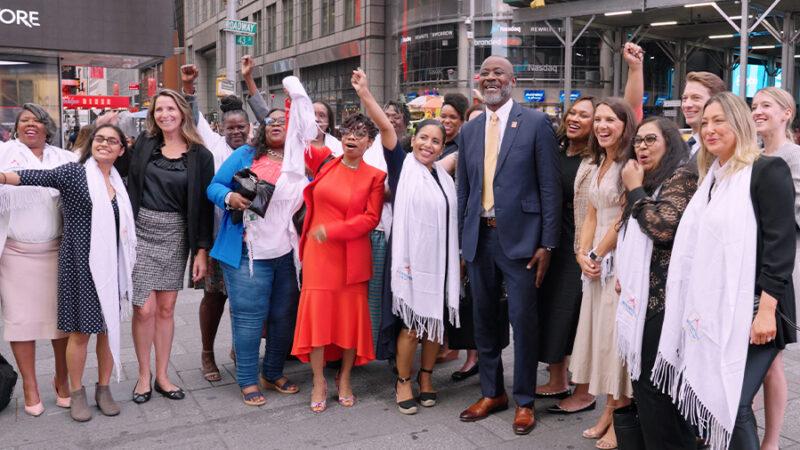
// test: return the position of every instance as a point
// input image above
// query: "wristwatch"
(593, 256)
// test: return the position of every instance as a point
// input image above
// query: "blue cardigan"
(228, 245)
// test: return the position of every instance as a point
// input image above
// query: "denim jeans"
(270, 296)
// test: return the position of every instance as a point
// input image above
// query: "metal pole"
(743, 43)
(617, 59)
(787, 53)
(230, 48)
(471, 55)
(567, 62)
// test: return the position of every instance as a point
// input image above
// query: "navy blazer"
(527, 184)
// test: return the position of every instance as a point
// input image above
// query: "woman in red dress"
(343, 204)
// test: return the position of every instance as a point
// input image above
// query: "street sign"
(244, 40)
(225, 87)
(240, 27)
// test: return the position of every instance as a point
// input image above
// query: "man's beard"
(499, 97)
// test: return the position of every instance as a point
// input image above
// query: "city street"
(213, 415)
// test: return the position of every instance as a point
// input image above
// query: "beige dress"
(594, 356)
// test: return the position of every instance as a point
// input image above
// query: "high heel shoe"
(35, 410)
(426, 399)
(143, 397)
(318, 407)
(61, 402)
(407, 407)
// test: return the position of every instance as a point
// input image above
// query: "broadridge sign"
(88, 26)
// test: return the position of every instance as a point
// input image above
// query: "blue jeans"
(270, 296)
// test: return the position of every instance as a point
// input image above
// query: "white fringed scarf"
(288, 196)
(709, 305)
(634, 252)
(14, 156)
(423, 239)
(111, 263)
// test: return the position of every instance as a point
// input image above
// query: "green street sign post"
(240, 27)
(244, 40)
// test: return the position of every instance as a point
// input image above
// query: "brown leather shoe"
(524, 421)
(483, 407)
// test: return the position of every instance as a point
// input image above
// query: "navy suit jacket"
(527, 184)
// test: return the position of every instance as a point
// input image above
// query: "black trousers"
(663, 426)
(759, 358)
(486, 272)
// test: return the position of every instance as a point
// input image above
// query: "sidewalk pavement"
(213, 415)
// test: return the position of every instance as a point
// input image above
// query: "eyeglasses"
(358, 133)
(112, 141)
(648, 140)
(270, 122)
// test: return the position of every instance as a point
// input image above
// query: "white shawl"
(709, 305)
(288, 196)
(111, 264)
(424, 242)
(14, 156)
(634, 252)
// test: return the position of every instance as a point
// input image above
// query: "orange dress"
(331, 313)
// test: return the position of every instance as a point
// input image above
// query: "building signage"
(96, 101)
(536, 68)
(225, 87)
(239, 27)
(428, 36)
(510, 41)
(19, 17)
(645, 98)
(672, 103)
(574, 95)
(244, 40)
(534, 95)
(500, 28)
(133, 86)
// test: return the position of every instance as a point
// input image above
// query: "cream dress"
(594, 356)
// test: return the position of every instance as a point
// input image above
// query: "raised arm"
(255, 100)
(189, 74)
(634, 87)
(374, 110)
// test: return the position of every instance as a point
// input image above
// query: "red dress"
(332, 312)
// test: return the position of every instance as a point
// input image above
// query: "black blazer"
(772, 192)
(200, 168)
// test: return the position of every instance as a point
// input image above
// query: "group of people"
(649, 268)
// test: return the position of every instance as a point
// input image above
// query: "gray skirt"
(161, 253)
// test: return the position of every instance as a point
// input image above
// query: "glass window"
(330, 83)
(306, 20)
(272, 25)
(429, 54)
(288, 23)
(328, 17)
(27, 81)
(258, 44)
(352, 13)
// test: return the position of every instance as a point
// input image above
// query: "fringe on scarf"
(630, 357)
(22, 197)
(431, 326)
(669, 379)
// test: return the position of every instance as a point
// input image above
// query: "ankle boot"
(79, 408)
(106, 403)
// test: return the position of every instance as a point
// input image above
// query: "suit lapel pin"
(514, 124)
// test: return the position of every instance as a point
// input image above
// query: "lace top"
(166, 183)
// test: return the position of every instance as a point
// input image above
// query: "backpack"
(8, 378)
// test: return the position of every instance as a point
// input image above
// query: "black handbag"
(259, 192)
(8, 379)
(463, 338)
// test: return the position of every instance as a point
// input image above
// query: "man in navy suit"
(509, 208)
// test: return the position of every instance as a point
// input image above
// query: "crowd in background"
(655, 270)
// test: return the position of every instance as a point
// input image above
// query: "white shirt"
(696, 145)
(219, 148)
(374, 157)
(502, 115)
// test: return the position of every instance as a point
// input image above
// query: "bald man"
(509, 210)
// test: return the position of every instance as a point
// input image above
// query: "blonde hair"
(737, 113)
(785, 101)
(188, 129)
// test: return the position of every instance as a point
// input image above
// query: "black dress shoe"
(460, 376)
(557, 395)
(140, 398)
(177, 394)
(555, 409)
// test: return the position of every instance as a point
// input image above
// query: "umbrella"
(431, 102)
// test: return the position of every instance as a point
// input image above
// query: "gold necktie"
(491, 149)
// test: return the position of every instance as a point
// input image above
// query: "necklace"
(349, 166)
(274, 154)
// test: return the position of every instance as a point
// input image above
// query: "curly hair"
(360, 119)
(401, 108)
(260, 140)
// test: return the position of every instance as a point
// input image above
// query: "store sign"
(133, 86)
(239, 27)
(225, 87)
(574, 95)
(428, 36)
(499, 28)
(511, 41)
(534, 95)
(546, 68)
(96, 101)
(19, 17)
